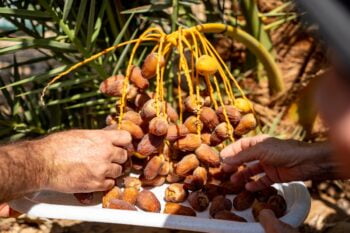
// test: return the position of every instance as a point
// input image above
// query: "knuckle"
(226, 152)
(118, 170)
(101, 170)
(245, 143)
(96, 185)
(120, 155)
(123, 155)
(108, 184)
(125, 135)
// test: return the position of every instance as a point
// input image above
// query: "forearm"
(22, 170)
(323, 166)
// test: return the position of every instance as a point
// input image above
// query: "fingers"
(114, 171)
(228, 168)
(261, 183)
(247, 173)
(271, 224)
(119, 155)
(119, 137)
(106, 185)
(242, 151)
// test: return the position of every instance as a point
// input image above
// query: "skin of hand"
(71, 161)
(84, 160)
(280, 160)
(271, 224)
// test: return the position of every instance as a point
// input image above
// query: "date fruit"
(219, 203)
(243, 200)
(137, 79)
(265, 194)
(120, 205)
(227, 215)
(147, 201)
(132, 182)
(114, 193)
(208, 155)
(193, 183)
(175, 193)
(209, 118)
(153, 167)
(158, 126)
(188, 143)
(177, 209)
(175, 132)
(233, 114)
(198, 200)
(278, 205)
(187, 164)
(130, 195)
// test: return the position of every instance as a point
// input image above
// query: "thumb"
(271, 224)
(118, 137)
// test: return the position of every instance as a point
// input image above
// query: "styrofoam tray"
(65, 206)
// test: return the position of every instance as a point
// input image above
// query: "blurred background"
(41, 38)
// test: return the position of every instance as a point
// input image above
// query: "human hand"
(271, 224)
(83, 160)
(280, 160)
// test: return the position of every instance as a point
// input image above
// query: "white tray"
(65, 206)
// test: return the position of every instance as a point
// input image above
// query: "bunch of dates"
(183, 155)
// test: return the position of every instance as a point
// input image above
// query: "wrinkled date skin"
(114, 193)
(193, 183)
(243, 200)
(212, 191)
(278, 204)
(198, 200)
(265, 194)
(187, 164)
(132, 182)
(175, 193)
(219, 203)
(120, 205)
(153, 167)
(130, 195)
(227, 215)
(147, 201)
(177, 209)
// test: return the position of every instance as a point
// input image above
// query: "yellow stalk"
(229, 126)
(274, 73)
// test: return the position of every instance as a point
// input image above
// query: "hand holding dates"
(84, 160)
